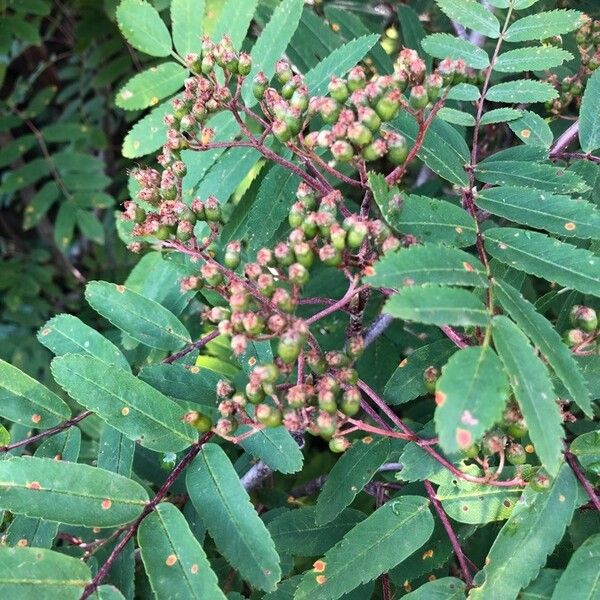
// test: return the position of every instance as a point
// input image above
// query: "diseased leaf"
(143, 28)
(149, 87)
(125, 402)
(533, 390)
(66, 334)
(472, 15)
(540, 255)
(532, 129)
(537, 524)
(355, 468)
(148, 134)
(23, 400)
(437, 305)
(175, 562)
(374, 546)
(187, 23)
(543, 25)
(521, 91)
(143, 319)
(540, 331)
(470, 395)
(420, 265)
(589, 116)
(537, 58)
(224, 505)
(444, 45)
(446, 588)
(43, 574)
(69, 492)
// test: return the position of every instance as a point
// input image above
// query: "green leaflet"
(536, 525)
(446, 588)
(66, 334)
(419, 265)
(412, 30)
(41, 574)
(545, 257)
(472, 15)
(143, 319)
(68, 492)
(187, 23)
(586, 448)
(457, 117)
(540, 331)
(39, 532)
(589, 116)
(234, 20)
(175, 562)
(125, 402)
(465, 92)
(533, 390)
(532, 129)
(444, 45)
(541, 588)
(108, 592)
(537, 58)
(24, 400)
(437, 305)
(149, 87)
(295, 531)
(558, 214)
(340, 61)
(355, 468)
(407, 383)
(521, 91)
(374, 546)
(477, 504)
(273, 41)
(224, 505)
(500, 115)
(544, 25)
(143, 28)
(115, 451)
(148, 134)
(470, 395)
(581, 579)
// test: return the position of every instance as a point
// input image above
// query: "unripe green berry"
(289, 346)
(430, 377)
(268, 415)
(185, 230)
(259, 85)
(232, 255)
(357, 234)
(304, 254)
(342, 151)
(471, 452)
(350, 403)
(339, 444)
(164, 232)
(283, 71)
(338, 89)
(317, 363)
(516, 429)
(375, 150)
(348, 375)
(255, 393)
(397, 149)
(387, 107)
(515, 454)
(574, 337)
(584, 317)
(212, 209)
(330, 256)
(359, 134)
(281, 131)
(198, 420)
(356, 79)
(298, 274)
(418, 97)
(326, 425)
(244, 64)
(327, 402)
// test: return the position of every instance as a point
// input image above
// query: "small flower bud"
(330, 256)
(357, 79)
(339, 444)
(338, 89)
(342, 151)
(268, 415)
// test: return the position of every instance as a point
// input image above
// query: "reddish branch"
(587, 486)
(193, 346)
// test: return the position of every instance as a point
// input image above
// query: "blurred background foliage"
(62, 173)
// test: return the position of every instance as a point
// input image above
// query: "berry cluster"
(584, 335)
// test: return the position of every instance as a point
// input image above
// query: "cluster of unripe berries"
(584, 334)
(320, 404)
(350, 120)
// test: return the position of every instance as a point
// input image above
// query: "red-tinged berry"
(283, 71)
(348, 376)
(342, 151)
(244, 64)
(281, 131)
(226, 427)
(418, 97)
(387, 107)
(368, 117)
(397, 148)
(317, 363)
(289, 346)
(232, 255)
(268, 415)
(283, 300)
(304, 254)
(298, 274)
(212, 209)
(336, 359)
(284, 255)
(574, 337)
(326, 425)
(185, 230)
(338, 89)
(494, 442)
(540, 483)
(266, 284)
(350, 403)
(357, 79)
(330, 256)
(327, 402)
(211, 274)
(375, 150)
(199, 421)
(355, 346)
(516, 455)
(584, 317)
(434, 84)
(339, 444)
(254, 393)
(430, 377)
(259, 85)
(357, 234)
(298, 396)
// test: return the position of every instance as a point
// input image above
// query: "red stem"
(193, 346)
(587, 486)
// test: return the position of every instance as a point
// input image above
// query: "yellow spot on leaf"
(36, 418)
(106, 504)
(153, 100)
(458, 229)
(125, 411)
(561, 498)
(570, 226)
(525, 133)
(34, 485)
(468, 267)
(432, 578)
(194, 569)
(407, 587)
(195, 370)
(529, 449)
(46, 331)
(427, 554)
(171, 560)
(320, 579)
(367, 439)
(440, 397)
(121, 289)
(403, 363)
(252, 361)
(22, 542)
(335, 27)
(319, 566)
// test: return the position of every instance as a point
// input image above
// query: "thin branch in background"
(193, 346)
(587, 486)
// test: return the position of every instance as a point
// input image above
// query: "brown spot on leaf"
(194, 569)
(106, 504)
(252, 361)
(367, 439)
(369, 271)
(468, 267)
(427, 554)
(321, 579)
(529, 449)
(525, 133)
(403, 363)
(46, 331)
(125, 411)
(570, 226)
(432, 578)
(34, 485)
(36, 418)
(506, 503)
(440, 397)
(561, 498)
(171, 560)
(319, 566)
(408, 281)
(22, 542)
(407, 587)
(121, 289)
(195, 370)
(458, 230)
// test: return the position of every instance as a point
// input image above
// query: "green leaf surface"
(115, 451)
(589, 116)
(542, 586)
(23, 400)
(521, 91)
(427, 264)
(543, 25)
(437, 305)
(540, 255)
(377, 544)
(148, 134)
(66, 334)
(558, 214)
(472, 15)
(532, 129)
(586, 448)
(537, 524)
(470, 395)
(457, 117)
(69, 492)
(150, 86)
(536, 58)
(500, 115)
(143, 28)
(297, 533)
(533, 390)
(444, 45)
(465, 92)
(406, 383)
(446, 588)
(142, 318)
(541, 332)
(355, 468)
(581, 579)
(224, 506)
(125, 402)
(234, 20)
(528, 174)
(187, 23)
(175, 562)
(41, 574)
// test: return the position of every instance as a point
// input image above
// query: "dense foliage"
(340, 340)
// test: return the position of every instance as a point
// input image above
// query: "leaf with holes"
(69, 492)
(125, 402)
(175, 562)
(470, 395)
(143, 28)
